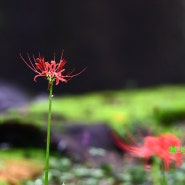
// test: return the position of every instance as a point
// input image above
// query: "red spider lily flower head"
(158, 146)
(52, 71)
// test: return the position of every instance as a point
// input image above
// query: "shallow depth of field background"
(134, 52)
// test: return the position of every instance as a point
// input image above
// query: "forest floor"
(157, 110)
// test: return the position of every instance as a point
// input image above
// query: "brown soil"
(14, 171)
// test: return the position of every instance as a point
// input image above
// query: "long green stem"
(159, 176)
(163, 178)
(156, 171)
(48, 134)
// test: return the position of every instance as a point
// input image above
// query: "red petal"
(61, 65)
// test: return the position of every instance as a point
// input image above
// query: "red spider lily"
(51, 71)
(158, 146)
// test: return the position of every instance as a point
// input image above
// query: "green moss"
(170, 115)
(30, 154)
(117, 108)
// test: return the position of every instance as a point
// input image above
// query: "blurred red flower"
(159, 146)
(52, 71)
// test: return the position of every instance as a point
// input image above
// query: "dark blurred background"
(124, 43)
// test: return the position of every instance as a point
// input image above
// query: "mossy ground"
(162, 109)
(120, 109)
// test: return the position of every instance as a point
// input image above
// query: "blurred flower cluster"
(155, 146)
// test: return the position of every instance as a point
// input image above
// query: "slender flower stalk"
(163, 178)
(52, 72)
(156, 171)
(48, 133)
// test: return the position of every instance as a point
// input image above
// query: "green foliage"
(170, 115)
(124, 110)
(31, 154)
(120, 109)
(63, 170)
(3, 182)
